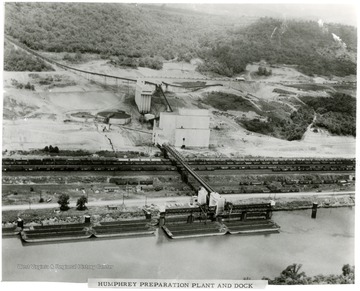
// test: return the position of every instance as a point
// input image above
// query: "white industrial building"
(143, 94)
(188, 127)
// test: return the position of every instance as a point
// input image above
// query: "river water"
(322, 245)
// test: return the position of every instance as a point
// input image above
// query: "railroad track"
(157, 164)
(190, 170)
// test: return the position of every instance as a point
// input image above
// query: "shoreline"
(34, 217)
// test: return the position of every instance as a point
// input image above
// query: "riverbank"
(52, 216)
(301, 203)
(36, 217)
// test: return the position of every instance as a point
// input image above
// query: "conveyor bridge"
(177, 156)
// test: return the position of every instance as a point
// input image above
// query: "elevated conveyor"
(158, 86)
(182, 161)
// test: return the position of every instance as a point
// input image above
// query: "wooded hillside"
(305, 44)
(145, 35)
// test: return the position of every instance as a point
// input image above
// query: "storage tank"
(114, 117)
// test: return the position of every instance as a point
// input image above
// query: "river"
(322, 245)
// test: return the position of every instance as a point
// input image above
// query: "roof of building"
(194, 112)
(117, 114)
(187, 112)
(145, 88)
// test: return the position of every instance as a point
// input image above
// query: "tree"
(28, 86)
(348, 274)
(292, 272)
(64, 202)
(291, 276)
(262, 71)
(81, 203)
(347, 270)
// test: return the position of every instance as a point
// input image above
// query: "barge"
(191, 230)
(78, 231)
(123, 228)
(56, 232)
(199, 229)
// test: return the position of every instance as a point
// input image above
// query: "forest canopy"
(18, 60)
(337, 114)
(146, 35)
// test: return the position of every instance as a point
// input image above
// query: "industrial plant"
(189, 151)
(143, 94)
(185, 128)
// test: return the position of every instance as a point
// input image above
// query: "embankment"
(103, 214)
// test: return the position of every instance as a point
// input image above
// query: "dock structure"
(245, 219)
(199, 221)
(207, 219)
(248, 211)
(181, 227)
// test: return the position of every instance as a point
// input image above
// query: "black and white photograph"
(178, 145)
